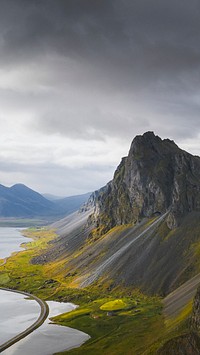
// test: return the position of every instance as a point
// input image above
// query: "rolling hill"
(22, 202)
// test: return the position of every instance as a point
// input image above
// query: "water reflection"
(17, 314)
(50, 338)
(10, 240)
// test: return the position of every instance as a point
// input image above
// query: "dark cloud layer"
(100, 69)
(147, 48)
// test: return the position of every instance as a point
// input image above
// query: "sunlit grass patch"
(116, 318)
(21, 273)
(115, 305)
(115, 332)
(73, 314)
(4, 278)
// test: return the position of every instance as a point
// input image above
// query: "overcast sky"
(80, 78)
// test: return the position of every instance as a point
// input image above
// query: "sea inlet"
(18, 312)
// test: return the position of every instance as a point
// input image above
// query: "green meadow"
(121, 321)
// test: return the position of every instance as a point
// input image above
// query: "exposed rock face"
(195, 319)
(155, 176)
(187, 344)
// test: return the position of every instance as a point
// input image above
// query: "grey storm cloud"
(82, 29)
(94, 70)
(65, 181)
(102, 30)
(118, 45)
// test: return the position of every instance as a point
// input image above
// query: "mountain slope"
(72, 203)
(179, 305)
(157, 262)
(156, 177)
(140, 231)
(21, 201)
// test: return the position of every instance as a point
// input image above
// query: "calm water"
(10, 240)
(50, 338)
(17, 313)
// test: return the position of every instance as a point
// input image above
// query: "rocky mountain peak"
(155, 176)
(147, 138)
(149, 142)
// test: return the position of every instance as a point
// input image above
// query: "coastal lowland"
(129, 257)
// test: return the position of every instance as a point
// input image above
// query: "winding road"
(42, 317)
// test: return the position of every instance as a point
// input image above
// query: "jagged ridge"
(156, 175)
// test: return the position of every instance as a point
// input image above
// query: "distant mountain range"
(70, 204)
(21, 201)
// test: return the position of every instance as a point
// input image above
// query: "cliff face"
(155, 176)
(195, 319)
(188, 343)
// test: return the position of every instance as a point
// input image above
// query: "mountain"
(187, 343)
(72, 203)
(122, 245)
(51, 197)
(154, 177)
(137, 237)
(21, 201)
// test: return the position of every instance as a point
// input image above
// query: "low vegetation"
(128, 330)
(118, 305)
(121, 321)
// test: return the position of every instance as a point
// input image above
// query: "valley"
(44, 311)
(129, 257)
(99, 177)
(136, 316)
(22, 206)
(57, 289)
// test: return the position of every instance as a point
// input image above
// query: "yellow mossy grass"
(115, 305)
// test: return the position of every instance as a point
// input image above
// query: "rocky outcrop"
(155, 176)
(195, 319)
(187, 344)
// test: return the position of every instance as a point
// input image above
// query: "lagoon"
(10, 241)
(50, 338)
(18, 312)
